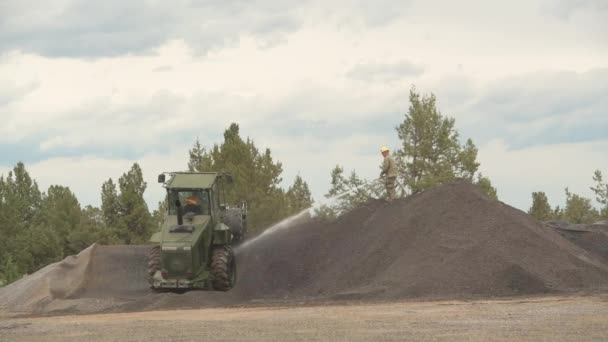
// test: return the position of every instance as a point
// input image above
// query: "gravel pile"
(448, 242)
(591, 237)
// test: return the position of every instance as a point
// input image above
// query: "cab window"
(196, 202)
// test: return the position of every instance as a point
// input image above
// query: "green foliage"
(557, 213)
(431, 153)
(9, 270)
(91, 229)
(33, 225)
(109, 203)
(60, 213)
(257, 178)
(326, 212)
(540, 209)
(485, 185)
(601, 193)
(43, 246)
(20, 208)
(135, 221)
(158, 215)
(346, 192)
(579, 209)
(299, 196)
(199, 159)
(125, 212)
(22, 198)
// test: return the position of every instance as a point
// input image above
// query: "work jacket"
(389, 166)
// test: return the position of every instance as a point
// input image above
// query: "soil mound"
(54, 282)
(447, 242)
(591, 237)
(451, 241)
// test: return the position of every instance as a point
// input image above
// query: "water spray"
(283, 224)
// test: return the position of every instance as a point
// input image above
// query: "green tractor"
(193, 249)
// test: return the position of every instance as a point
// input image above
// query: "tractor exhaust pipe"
(180, 217)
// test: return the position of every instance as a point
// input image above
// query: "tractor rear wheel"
(223, 268)
(153, 263)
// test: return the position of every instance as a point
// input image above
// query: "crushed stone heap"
(450, 242)
(447, 242)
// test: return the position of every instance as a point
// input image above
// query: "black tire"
(153, 263)
(223, 268)
(233, 218)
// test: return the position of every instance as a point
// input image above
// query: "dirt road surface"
(534, 319)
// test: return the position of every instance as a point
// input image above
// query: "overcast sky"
(89, 87)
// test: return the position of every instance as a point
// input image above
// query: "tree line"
(38, 228)
(578, 209)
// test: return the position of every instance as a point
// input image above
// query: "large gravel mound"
(451, 241)
(448, 242)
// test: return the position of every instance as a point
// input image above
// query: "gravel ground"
(532, 319)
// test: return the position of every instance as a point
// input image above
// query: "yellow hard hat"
(384, 149)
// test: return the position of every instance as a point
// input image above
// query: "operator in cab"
(193, 205)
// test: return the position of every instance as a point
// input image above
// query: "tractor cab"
(192, 202)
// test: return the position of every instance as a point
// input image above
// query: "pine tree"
(158, 215)
(109, 203)
(125, 212)
(9, 270)
(23, 198)
(257, 176)
(601, 193)
(299, 196)
(485, 185)
(540, 209)
(61, 213)
(91, 229)
(579, 209)
(135, 221)
(200, 160)
(26, 244)
(345, 193)
(431, 153)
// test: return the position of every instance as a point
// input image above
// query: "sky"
(87, 88)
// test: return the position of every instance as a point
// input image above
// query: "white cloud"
(313, 160)
(320, 83)
(384, 72)
(565, 9)
(85, 175)
(67, 28)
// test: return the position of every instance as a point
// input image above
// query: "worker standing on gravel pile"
(389, 172)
